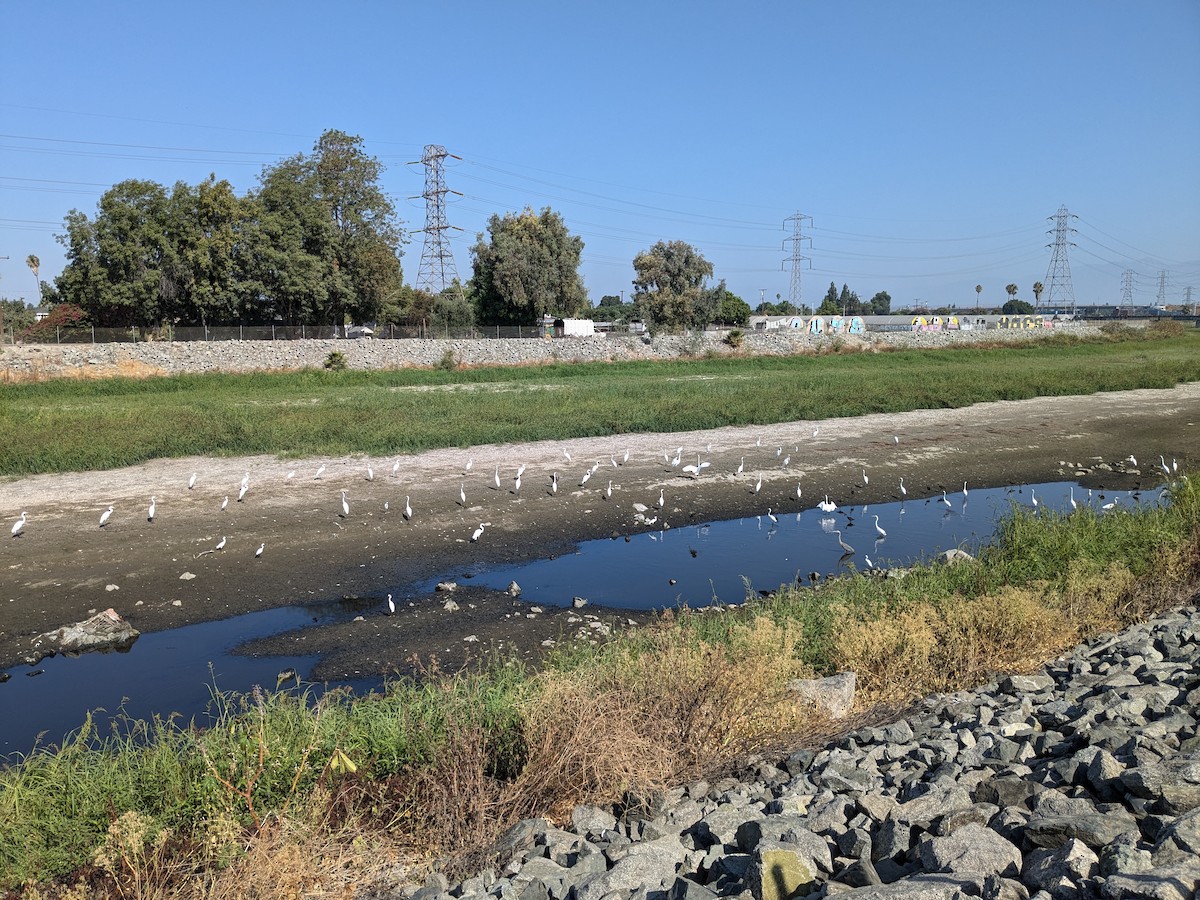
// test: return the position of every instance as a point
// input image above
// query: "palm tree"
(978, 291)
(1011, 290)
(34, 265)
(1038, 287)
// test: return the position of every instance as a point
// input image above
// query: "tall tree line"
(317, 242)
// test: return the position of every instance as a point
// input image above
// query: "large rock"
(832, 696)
(1094, 829)
(972, 850)
(106, 631)
(1179, 881)
(779, 871)
(1174, 782)
(1062, 871)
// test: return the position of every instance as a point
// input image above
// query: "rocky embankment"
(100, 360)
(1080, 780)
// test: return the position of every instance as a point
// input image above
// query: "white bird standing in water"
(878, 529)
(192, 481)
(104, 516)
(566, 454)
(827, 505)
(259, 551)
(407, 509)
(774, 518)
(799, 492)
(478, 533)
(903, 489)
(469, 465)
(964, 489)
(221, 543)
(151, 510)
(1071, 498)
(19, 525)
(586, 476)
(520, 470)
(1033, 498)
(345, 506)
(946, 500)
(625, 459)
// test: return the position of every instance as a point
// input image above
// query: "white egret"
(320, 471)
(151, 510)
(1033, 500)
(496, 478)
(520, 470)
(867, 559)
(1111, 504)
(246, 478)
(895, 439)
(396, 468)
(407, 509)
(345, 506)
(866, 480)
(391, 605)
(1174, 466)
(387, 504)
(758, 484)
(846, 548)
(517, 484)
(1131, 459)
(774, 518)
(964, 489)
(104, 516)
(612, 458)
(786, 461)
(466, 468)
(370, 474)
(221, 543)
(259, 551)
(678, 457)
(758, 442)
(816, 431)
(945, 499)
(192, 481)
(566, 454)
(778, 452)
(242, 492)
(662, 500)
(608, 491)
(290, 475)
(1163, 465)
(462, 493)
(586, 476)
(225, 502)
(554, 483)
(827, 505)
(478, 533)
(903, 489)
(799, 492)
(19, 525)
(741, 466)
(878, 529)
(625, 459)
(1071, 498)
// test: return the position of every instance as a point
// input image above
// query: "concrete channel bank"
(28, 361)
(1081, 780)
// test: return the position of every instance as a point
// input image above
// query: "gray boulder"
(833, 696)
(104, 632)
(1179, 881)
(971, 850)
(1062, 871)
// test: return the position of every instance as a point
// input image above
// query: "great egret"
(225, 502)
(20, 524)
(741, 466)
(1033, 500)
(625, 458)
(566, 454)
(370, 474)
(396, 467)
(462, 493)
(246, 478)
(496, 478)
(407, 509)
(1111, 504)
(827, 505)
(866, 480)
(151, 510)
(554, 483)
(391, 605)
(677, 458)
(242, 492)
(520, 470)
(1131, 459)
(662, 500)
(290, 475)
(467, 467)
(867, 559)
(221, 543)
(778, 452)
(608, 491)
(878, 529)
(586, 476)
(816, 431)
(799, 492)
(846, 548)
(478, 533)
(758, 484)
(320, 471)
(895, 439)
(259, 551)
(964, 489)
(345, 506)
(946, 500)
(612, 458)
(1071, 498)
(770, 515)
(104, 516)
(903, 489)
(192, 481)
(517, 483)
(786, 461)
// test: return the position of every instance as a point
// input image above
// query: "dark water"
(175, 671)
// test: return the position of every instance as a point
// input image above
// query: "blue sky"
(929, 141)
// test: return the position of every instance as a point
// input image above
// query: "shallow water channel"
(175, 671)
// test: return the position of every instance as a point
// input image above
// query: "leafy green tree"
(528, 268)
(16, 315)
(1016, 307)
(731, 309)
(205, 230)
(670, 284)
(831, 305)
(880, 304)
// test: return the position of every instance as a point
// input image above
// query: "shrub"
(448, 362)
(735, 338)
(63, 315)
(336, 361)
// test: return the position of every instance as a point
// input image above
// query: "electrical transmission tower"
(1187, 300)
(1058, 276)
(797, 240)
(1127, 289)
(1160, 299)
(437, 271)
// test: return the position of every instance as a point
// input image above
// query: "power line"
(798, 237)
(437, 270)
(1059, 273)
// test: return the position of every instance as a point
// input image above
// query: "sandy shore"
(166, 573)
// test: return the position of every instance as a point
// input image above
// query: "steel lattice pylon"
(797, 239)
(436, 271)
(1058, 276)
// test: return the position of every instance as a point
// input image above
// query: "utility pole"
(1058, 276)
(2, 315)
(1187, 299)
(436, 271)
(798, 237)
(1127, 289)
(1160, 299)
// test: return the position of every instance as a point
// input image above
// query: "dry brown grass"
(44, 371)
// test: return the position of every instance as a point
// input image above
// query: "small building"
(574, 328)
